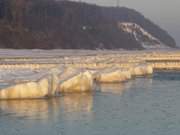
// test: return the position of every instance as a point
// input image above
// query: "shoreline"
(82, 69)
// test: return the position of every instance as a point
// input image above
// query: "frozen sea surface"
(144, 106)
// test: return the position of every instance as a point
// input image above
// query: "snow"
(20, 76)
(138, 32)
(76, 72)
(82, 82)
(113, 75)
(31, 89)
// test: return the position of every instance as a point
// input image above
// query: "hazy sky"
(165, 13)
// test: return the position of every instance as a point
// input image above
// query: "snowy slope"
(143, 37)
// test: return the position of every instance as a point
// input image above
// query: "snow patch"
(147, 40)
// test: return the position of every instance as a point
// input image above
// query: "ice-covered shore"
(39, 74)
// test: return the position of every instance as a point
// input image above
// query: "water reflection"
(121, 88)
(144, 82)
(77, 102)
(117, 88)
(114, 88)
(77, 106)
(29, 109)
(47, 109)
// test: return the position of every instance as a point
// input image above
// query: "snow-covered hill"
(143, 37)
(65, 24)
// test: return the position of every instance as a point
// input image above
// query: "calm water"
(144, 106)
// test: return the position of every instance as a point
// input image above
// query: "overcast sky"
(165, 13)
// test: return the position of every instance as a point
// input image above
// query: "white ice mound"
(113, 75)
(20, 84)
(31, 89)
(75, 80)
(141, 70)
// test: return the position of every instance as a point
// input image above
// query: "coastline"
(81, 68)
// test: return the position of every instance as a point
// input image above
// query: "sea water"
(143, 106)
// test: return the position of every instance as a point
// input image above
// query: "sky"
(165, 13)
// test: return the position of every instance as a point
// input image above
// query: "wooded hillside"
(49, 24)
